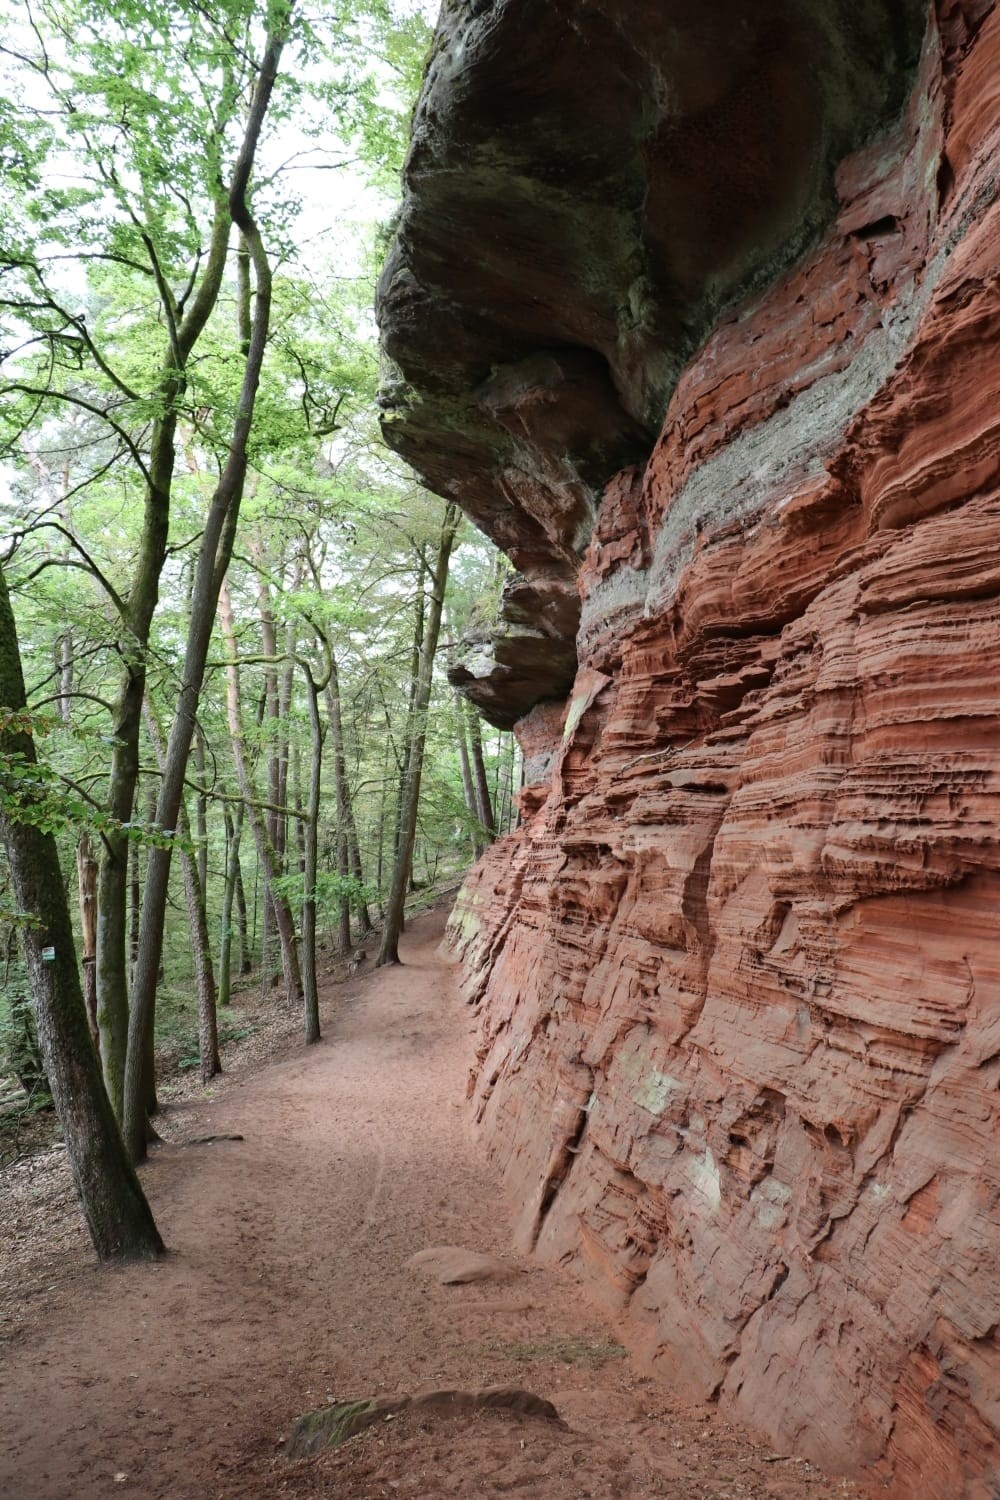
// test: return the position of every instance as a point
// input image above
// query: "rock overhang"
(588, 189)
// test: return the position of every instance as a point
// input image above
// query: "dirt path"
(287, 1285)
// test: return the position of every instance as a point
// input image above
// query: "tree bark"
(242, 922)
(86, 880)
(135, 901)
(194, 897)
(114, 1205)
(310, 989)
(389, 948)
(348, 850)
(201, 813)
(483, 800)
(208, 1021)
(283, 918)
(272, 714)
(468, 789)
(419, 621)
(234, 832)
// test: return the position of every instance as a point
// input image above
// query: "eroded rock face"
(588, 187)
(739, 970)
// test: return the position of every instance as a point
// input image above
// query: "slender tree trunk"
(86, 879)
(147, 1085)
(135, 901)
(267, 926)
(357, 874)
(242, 921)
(310, 991)
(64, 665)
(348, 852)
(389, 949)
(344, 904)
(118, 1216)
(285, 684)
(465, 766)
(419, 616)
(299, 821)
(272, 719)
(194, 896)
(383, 798)
(284, 920)
(483, 801)
(234, 832)
(208, 1021)
(201, 813)
(353, 837)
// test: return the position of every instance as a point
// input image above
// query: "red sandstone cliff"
(739, 971)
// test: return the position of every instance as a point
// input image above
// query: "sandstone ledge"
(588, 188)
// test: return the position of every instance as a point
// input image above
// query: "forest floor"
(287, 1286)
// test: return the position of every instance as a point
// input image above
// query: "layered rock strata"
(738, 972)
(588, 185)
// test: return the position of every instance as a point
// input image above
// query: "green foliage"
(20, 1053)
(330, 890)
(117, 127)
(32, 793)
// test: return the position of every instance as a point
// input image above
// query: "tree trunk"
(194, 896)
(419, 618)
(353, 839)
(208, 1022)
(389, 948)
(86, 879)
(64, 666)
(465, 765)
(383, 799)
(242, 922)
(310, 991)
(285, 685)
(348, 851)
(284, 920)
(299, 820)
(272, 722)
(118, 1216)
(201, 813)
(135, 901)
(267, 924)
(234, 832)
(483, 801)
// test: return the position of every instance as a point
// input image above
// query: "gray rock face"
(589, 186)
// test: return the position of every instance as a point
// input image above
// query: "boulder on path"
(453, 1266)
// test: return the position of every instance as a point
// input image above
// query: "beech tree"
(118, 1216)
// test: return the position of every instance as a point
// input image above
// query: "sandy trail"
(287, 1285)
